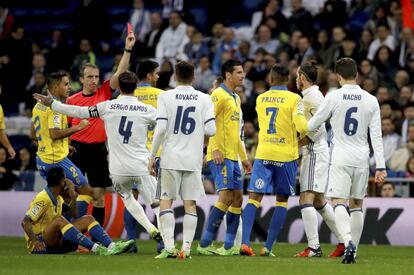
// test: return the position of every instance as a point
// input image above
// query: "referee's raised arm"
(124, 63)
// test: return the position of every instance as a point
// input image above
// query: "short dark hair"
(309, 70)
(228, 67)
(87, 65)
(54, 176)
(347, 68)
(390, 183)
(279, 74)
(127, 82)
(146, 67)
(184, 72)
(410, 104)
(56, 77)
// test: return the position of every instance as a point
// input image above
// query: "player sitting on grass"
(48, 232)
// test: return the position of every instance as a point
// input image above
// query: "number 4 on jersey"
(125, 132)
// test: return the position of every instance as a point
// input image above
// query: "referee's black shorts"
(92, 160)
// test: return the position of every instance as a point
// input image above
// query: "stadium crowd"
(279, 31)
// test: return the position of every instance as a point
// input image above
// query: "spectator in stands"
(390, 141)
(273, 11)
(400, 157)
(204, 76)
(228, 45)
(243, 51)
(381, 17)
(405, 95)
(38, 87)
(38, 66)
(366, 69)
(140, 20)
(348, 49)
(383, 94)
(264, 40)
(147, 47)
(408, 120)
(86, 55)
(169, 6)
(6, 21)
(388, 190)
(173, 39)
(322, 47)
(334, 13)
(19, 54)
(385, 64)
(196, 48)
(300, 19)
(365, 41)
(215, 40)
(338, 35)
(26, 169)
(401, 79)
(406, 36)
(369, 85)
(59, 54)
(166, 71)
(384, 38)
(390, 109)
(305, 52)
(7, 178)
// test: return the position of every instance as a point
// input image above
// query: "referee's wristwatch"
(128, 50)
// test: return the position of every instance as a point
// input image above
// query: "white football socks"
(167, 222)
(189, 228)
(310, 222)
(343, 223)
(137, 212)
(328, 216)
(357, 224)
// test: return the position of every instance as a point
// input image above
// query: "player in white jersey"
(314, 166)
(185, 117)
(126, 122)
(353, 113)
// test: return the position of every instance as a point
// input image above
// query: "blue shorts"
(273, 177)
(226, 175)
(72, 172)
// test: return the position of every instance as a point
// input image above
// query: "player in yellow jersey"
(147, 72)
(48, 232)
(51, 133)
(4, 140)
(281, 120)
(223, 153)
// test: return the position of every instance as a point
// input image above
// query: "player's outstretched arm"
(28, 229)
(323, 114)
(4, 140)
(124, 63)
(299, 119)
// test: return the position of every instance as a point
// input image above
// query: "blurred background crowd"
(43, 36)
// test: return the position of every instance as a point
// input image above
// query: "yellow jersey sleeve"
(54, 120)
(217, 103)
(299, 118)
(38, 207)
(2, 125)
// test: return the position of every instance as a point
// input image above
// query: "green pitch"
(376, 260)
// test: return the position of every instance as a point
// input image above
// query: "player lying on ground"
(48, 232)
(126, 122)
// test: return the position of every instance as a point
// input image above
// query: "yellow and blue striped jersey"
(2, 125)
(228, 117)
(49, 150)
(43, 209)
(281, 118)
(148, 95)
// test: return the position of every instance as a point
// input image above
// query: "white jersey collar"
(350, 86)
(310, 89)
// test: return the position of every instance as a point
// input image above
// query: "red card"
(129, 29)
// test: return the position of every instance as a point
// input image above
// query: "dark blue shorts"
(72, 172)
(226, 175)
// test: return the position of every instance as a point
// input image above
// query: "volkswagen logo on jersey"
(259, 184)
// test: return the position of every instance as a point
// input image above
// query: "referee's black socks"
(99, 214)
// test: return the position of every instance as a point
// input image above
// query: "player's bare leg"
(98, 211)
(249, 211)
(189, 227)
(343, 222)
(167, 226)
(85, 197)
